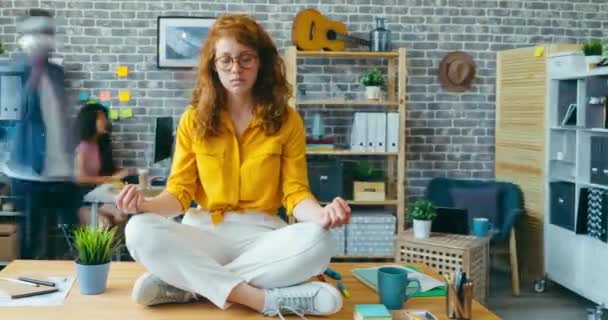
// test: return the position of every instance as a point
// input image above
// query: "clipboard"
(15, 290)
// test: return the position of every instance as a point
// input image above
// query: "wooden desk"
(116, 303)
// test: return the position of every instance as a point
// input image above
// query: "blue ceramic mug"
(393, 286)
(481, 227)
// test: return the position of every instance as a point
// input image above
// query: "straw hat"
(457, 71)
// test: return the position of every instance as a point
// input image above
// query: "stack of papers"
(57, 298)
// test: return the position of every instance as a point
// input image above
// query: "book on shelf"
(320, 147)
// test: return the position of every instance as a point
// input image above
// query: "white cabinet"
(576, 116)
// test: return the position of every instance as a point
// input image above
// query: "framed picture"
(180, 40)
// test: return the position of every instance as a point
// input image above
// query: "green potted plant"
(95, 248)
(2, 51)
(373, 80)
(422, 213)
(593, 53)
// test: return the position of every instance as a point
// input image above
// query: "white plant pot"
(592, 61)
(422, 229)
(372, 92)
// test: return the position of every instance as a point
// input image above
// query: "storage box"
(371, 233)
(330, 179)
(369, 191)
(566, 64)
(448, 253)
(599, 165)
(8, 242)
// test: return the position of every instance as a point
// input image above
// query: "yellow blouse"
(257, 173)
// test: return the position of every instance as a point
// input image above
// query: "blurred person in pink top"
(94, 164)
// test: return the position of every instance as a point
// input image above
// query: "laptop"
(451, 220)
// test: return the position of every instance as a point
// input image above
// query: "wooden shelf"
(594, 185)
(349, 153)
(395, 63)
(349, 102)
(389, 202)
(348, 54)
(11, 213)
(564, 179)
(595, 130)
(565, 128)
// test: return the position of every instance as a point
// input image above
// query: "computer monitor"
(451, 220)
(163, 138)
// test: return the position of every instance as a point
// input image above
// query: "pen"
(463, 281)
(22, 282)
(36, 281)
(333, 274)
(343, 289)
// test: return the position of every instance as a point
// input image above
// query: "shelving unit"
(573, 258)
(395, 101)
(348, 102)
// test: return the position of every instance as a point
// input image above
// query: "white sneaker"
(312, 298)
(150, 290)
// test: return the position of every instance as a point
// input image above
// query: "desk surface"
(116, 301)
(107, 192)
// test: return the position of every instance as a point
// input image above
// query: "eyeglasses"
(245, 61)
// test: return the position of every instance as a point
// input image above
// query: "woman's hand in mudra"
(129, 200)
(335, 214)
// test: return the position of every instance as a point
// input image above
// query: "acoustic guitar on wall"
(312, 31)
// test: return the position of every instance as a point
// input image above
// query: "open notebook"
(14, 290)
(430, 287)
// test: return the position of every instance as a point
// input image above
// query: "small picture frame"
(570, 117)
(179, 40)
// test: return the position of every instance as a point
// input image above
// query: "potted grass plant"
(95, 248)
(2, 51)
(373, 80)
(423, 213)
(593, 53)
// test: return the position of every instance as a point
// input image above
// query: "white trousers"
(209, 260)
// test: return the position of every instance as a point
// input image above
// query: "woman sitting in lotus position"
(240, 154)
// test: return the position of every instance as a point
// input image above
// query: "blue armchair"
(501, 202)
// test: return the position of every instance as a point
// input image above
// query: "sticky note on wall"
(113, 114)
(124, 96)
(126, 113)
(122, 71)
(83, 96)
(104, 95)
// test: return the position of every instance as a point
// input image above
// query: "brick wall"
(449, 134)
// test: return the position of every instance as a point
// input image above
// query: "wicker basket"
(447, 253)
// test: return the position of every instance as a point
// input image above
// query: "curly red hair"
(271, 90)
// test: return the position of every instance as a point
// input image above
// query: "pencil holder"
(459, 307)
